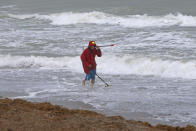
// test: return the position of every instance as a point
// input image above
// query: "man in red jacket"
(89, 63)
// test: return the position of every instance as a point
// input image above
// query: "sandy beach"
(21, 115)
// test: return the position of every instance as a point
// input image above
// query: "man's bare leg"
(83, 82)
(92, 83)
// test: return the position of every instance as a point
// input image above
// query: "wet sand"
(21, 115)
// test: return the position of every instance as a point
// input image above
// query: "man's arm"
(98, 51)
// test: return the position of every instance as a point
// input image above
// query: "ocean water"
(152, 67)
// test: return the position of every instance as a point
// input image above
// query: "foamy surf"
(134, 21)
(147, 66)
(8, 61)
(125, 65)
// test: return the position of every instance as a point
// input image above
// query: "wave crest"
(133, 21)
(107, 64)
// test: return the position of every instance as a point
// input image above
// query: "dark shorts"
(91, 75)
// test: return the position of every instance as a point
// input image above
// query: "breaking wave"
(133, 21)
(107, 64)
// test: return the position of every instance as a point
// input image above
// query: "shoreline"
(18, 114)
(137, 116)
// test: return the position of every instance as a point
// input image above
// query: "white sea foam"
(7, 6)
(147, 66)
(135, 21)
(9, 61)
(107, 64)
(27, 16)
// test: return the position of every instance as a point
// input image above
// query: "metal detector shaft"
(106, 45)
(102, 80)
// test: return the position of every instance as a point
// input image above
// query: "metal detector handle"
(107, 45)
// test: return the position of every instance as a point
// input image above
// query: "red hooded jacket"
(88, 58)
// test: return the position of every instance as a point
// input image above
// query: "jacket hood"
(91, 43)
